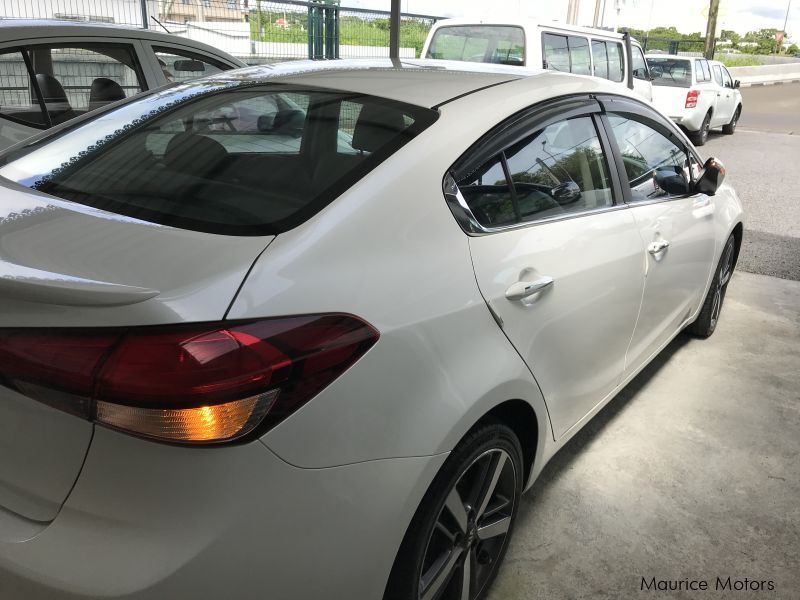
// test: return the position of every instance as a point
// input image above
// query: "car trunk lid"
(67, 265)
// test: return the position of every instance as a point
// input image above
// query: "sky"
(687, 16)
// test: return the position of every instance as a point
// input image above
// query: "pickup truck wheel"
(700, 137)
(731, 127)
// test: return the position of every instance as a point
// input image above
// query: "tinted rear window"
(479, 43)
(219, 156)
(670, 72)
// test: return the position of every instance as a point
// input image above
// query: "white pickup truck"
(696, 93)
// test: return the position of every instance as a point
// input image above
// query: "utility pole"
(711, 29)
(572, 12)
(596, 22)
(785, 21)
(394, 31)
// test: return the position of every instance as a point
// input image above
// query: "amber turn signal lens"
(216, 423)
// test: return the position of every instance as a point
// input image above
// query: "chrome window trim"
(472, 227)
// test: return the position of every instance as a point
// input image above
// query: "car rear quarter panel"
(390, 252)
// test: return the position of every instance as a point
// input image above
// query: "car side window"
(81, 77)
(639, 64)
(18, 100)
(717, 74)
(607, 57)
(569, 54)
(727, 81)
(182, 65)
(558, 170)
(656, 166)
(702, 70)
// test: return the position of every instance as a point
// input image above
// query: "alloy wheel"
(470, 532)
(725, 272)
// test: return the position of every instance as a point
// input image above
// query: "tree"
(793, 49)
(731, 36)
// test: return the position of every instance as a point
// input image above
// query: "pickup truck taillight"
(691, 98)
(195, 383)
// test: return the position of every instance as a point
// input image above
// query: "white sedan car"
(696, 93)
(235, 368)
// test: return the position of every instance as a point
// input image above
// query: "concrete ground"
(762, 163)
(693, 471)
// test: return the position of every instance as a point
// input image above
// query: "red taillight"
(208, 382)
(691, 98)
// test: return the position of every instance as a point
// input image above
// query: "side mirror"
(711, 178)
(672, 182)
(192, 66)
(736, 84)
(566, 193)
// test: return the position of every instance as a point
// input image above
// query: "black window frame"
(515, 129)
(640, 112)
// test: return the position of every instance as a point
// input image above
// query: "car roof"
(30, 29)
(528, 22)
(423, 82)
(674, 56)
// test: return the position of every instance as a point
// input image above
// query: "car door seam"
(244, 279)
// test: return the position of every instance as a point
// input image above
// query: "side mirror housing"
(736, 84)
(566, 193)
(711, 178)
(672, 182)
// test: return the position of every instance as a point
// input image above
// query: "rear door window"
(607, 57)
(557, 171)
(80, 77)
(19, 103)
(221, 157)
(702, 71)
(479, 43)
(566, 53)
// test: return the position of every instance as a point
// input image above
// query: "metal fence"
(253, 30)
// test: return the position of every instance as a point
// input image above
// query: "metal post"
(394, 31)
(310, 31)
(145, 24)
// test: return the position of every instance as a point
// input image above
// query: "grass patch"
(738, 61)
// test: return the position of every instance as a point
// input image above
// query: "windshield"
(670, 72)
(500, 44)
(220, 155)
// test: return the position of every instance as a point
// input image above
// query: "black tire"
(700, 137)
(730, 128)
(432, 560)
(708, 318)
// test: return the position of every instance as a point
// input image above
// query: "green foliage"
(731, 60)
(353, 30)
(793, 49)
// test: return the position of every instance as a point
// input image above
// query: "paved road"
(772, 108)
(763, 162)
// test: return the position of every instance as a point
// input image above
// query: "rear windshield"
(220, 156)
(500, 44)
(670, 72)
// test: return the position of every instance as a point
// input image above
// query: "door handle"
(656, 247)
(524, 289)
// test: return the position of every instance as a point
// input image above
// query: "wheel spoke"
(440, 573)
(494, 471)
(456, 508)
(466, 577)
(495, 528)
